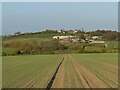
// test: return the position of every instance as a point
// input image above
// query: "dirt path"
(72, 74)
(58, 82)
(67, 76)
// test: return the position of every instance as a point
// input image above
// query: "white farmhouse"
(94, 41)
(96, 37)
(64, 37)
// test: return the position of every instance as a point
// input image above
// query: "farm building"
(94, 41)
(65, 37)
(72, 31)
(96, 37)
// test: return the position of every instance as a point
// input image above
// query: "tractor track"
(87, 77)
(49, 85)
(84, 80)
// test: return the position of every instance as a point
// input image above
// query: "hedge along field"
(29, 71)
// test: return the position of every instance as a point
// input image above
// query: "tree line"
(107, 34)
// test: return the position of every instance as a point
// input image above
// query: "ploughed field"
(75, 71)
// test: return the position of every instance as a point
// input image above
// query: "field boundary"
(49, 85)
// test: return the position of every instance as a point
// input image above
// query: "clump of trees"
(107, 34)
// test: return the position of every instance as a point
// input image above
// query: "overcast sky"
(32, 17)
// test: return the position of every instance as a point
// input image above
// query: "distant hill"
(43, 43)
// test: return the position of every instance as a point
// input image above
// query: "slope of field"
(29, 71)
(88, 71)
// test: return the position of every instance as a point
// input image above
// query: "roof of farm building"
(63, 37)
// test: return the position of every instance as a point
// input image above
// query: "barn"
(64, 37)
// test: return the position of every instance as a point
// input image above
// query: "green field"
(76, 71)
(104, 66)
(29, 71)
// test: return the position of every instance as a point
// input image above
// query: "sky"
(60, 0)
(38, 16)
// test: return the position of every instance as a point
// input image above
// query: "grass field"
(76, 71)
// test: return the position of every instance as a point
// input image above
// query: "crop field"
(88, 71)
(75, 71)
(29, 71)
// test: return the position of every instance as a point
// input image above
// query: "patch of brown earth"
(59, 80)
